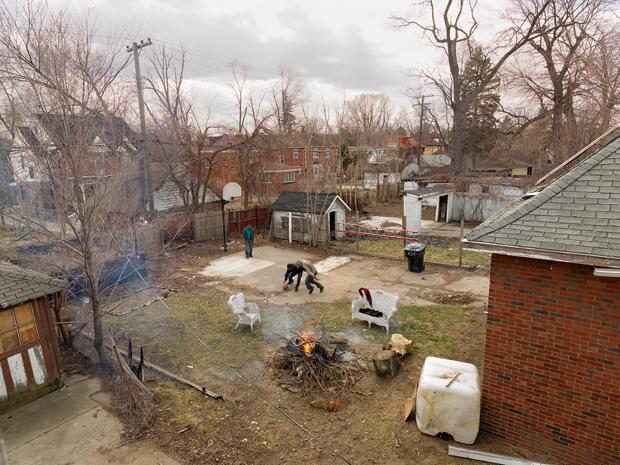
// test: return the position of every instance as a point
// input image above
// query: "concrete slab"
(478, 285)
(69, 427)
(233, 266)
(379, 221)
(331, 263)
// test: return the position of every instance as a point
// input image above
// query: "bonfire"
(312, 366)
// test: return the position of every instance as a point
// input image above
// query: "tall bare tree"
(564, 32)
(369, 117)
(62, 80)
(451, 26)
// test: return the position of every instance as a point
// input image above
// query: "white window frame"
(281, 159)
(317, 169)
(296, 154)
(289, 177)
(316, 152)
(327, 152)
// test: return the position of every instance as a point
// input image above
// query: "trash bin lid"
(415, 247)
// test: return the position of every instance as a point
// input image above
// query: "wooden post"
(461, 241)
(58, 305)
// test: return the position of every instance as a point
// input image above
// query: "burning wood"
(312, 365)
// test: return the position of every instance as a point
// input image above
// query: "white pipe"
(607, 272)
(290, 227)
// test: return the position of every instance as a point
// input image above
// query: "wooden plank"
(489, 457)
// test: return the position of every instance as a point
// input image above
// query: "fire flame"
(307, 341)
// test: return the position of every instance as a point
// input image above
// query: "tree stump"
(386, 363)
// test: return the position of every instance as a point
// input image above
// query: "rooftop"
(304, 202)
(577, 215)
(18, 285)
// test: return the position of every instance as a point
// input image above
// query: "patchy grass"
(170, 331)
(394, 248)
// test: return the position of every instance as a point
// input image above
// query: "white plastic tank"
(445, 406)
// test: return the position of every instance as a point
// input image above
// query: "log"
(386, 363)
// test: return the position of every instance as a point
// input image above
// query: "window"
(263, 177)
(281, 159)
(330, 169)
(17, 327)
(289, 177)
(24, 192)
(31, 172)
(485, 189)
(318, 169)
(315, 152)
(296, 154)
(328, 153)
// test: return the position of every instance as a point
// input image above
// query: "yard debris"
(399, 344)
(489, 457)
(309, 364)
(410, 403)
(454, 376)
(328, 405)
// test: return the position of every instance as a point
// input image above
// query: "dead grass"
(161, 330)
(450, 255)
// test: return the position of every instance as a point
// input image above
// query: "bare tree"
(564, 32)
(62, 80)
(287, 96)
(451, 26)
(369, 117)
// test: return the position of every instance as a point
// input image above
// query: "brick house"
(112, 149)
(551, 379)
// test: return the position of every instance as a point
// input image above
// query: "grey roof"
(578, 213)
(304, 202)
(18, 285)
(426, 191)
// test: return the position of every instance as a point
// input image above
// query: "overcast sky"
(341, 47)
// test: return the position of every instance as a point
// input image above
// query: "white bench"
(382, 301)
(247, 312)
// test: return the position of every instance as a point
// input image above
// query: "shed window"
(17, 327)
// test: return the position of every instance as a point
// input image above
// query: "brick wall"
(552, 360)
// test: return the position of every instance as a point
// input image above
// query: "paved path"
(72, 427)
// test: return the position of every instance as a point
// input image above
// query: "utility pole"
(148, 183)
(421, 125)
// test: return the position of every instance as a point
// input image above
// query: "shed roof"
(576, 215)
(305, 202)
(18, 285)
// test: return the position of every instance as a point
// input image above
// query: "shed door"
(332, 225)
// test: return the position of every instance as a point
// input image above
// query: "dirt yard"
(192, 333)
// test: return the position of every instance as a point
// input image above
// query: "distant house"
(112, 153)
(29, 355)
(552, 351)
(7, 189)
(298, 215)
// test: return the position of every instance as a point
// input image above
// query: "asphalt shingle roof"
(578, 213)
(303, 202)
(18, 285)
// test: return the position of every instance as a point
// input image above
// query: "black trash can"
(414, 253)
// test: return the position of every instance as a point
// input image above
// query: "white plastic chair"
(247, 312)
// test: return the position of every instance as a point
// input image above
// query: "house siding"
(552, 360)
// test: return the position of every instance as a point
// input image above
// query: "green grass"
(432, 329)
(394, 248)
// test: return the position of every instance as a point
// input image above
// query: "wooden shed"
(308, 217)
(29, 353)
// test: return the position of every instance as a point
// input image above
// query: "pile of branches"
(316, 372)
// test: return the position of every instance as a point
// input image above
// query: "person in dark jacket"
(292, 271)
(297, 269)
(248, 234)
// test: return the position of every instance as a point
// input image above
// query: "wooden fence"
(258, 218)
(207, 226)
